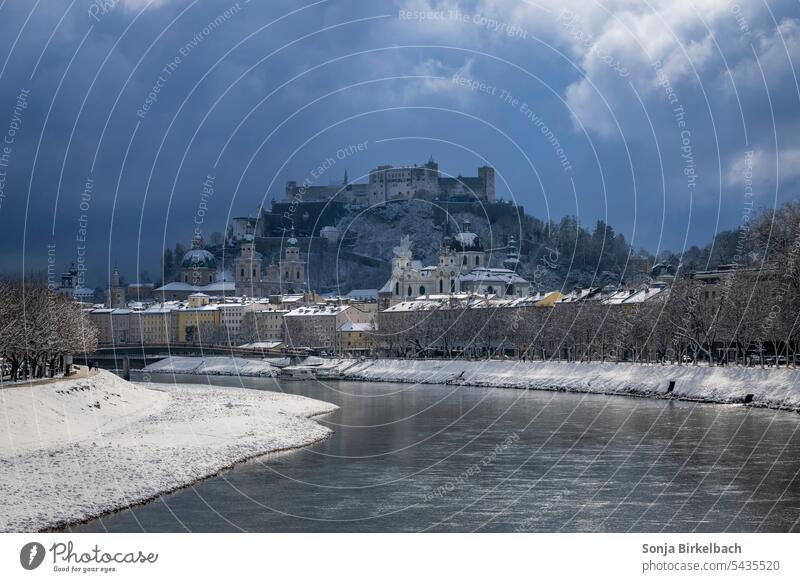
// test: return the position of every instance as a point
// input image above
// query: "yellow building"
(154, 326)
(198, 324)
(261, 322)
(356, 337)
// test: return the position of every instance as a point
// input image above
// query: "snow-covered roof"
(363, 294)
(268, 345)
(645, 294)
(576, 295)
(619, 297)
(209, 307)
(350, 326)
(609, 296)
(211, 288)
(491, 275)
(176, 286)
(418, 305)
(308, 310)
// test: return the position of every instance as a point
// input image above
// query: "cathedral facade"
(462, 267)
(253, 279)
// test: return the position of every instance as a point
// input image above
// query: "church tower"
(468, 249)
(247, 269)
(116, 291)
(511, 261)
(293, 268)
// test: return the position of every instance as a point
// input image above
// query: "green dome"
(198, 259)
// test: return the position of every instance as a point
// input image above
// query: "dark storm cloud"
(132, 106)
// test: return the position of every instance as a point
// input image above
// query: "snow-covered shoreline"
(77, 449)
(768, 387)
(777, 388)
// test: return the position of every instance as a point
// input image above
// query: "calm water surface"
(445, 458)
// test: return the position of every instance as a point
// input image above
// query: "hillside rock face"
(552, 255)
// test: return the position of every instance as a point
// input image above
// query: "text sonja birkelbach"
(66, 558)
(691, 548)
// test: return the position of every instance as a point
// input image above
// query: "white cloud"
(760, 168)
(778, 50)
(438, 80)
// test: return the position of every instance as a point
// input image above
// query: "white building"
(461, 267)
(408, 182)
(231, 321)
(316, 326)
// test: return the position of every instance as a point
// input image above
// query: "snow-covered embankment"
(75, 449)
(217, 366)
(768, 387)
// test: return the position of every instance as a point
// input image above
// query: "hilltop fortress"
(388, 183)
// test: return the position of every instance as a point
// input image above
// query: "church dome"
(198, 259)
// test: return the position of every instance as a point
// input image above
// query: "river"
(455, 459)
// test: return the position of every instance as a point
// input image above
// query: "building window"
(421, 290)
(298, 274)
(397, 288)
(441, 286)
(490, 290)
(409, 290)
(464, 260)
(254, 272)
(477, 260)
(452, 286)
(242, 272)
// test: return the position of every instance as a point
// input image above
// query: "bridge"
(140, 355)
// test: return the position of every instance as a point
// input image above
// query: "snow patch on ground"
(76, 449)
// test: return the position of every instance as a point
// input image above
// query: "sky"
(129, 125)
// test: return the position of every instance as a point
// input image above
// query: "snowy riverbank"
(769, 387)
(76, 449)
